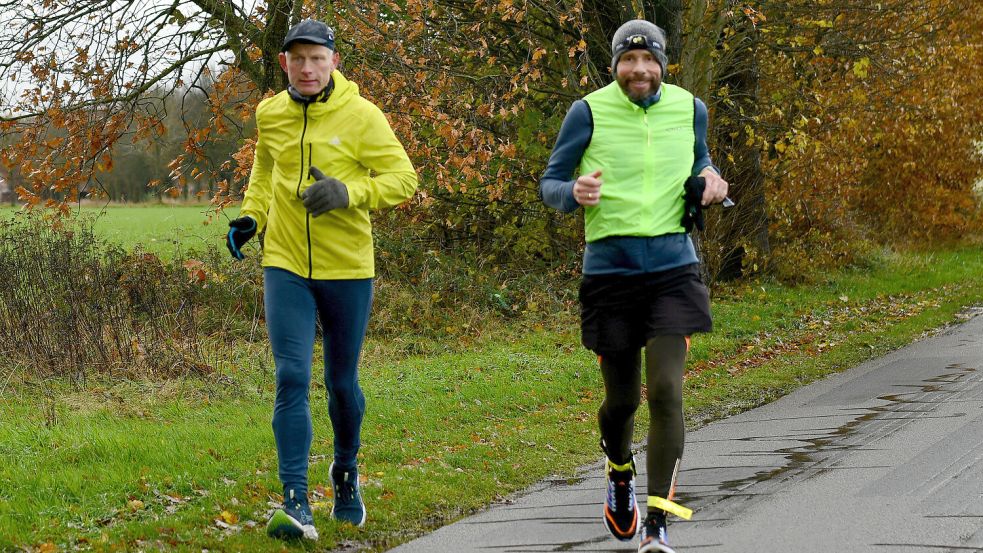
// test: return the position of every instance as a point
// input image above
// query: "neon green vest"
(645, 157)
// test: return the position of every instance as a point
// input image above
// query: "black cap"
(309, 31)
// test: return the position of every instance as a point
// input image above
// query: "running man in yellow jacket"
(324, 157)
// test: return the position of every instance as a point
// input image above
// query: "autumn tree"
(81, 75)
(816, 107)
(846, 82)
(788, 84)
(142, 167)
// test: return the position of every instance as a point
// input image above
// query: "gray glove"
(325, 194)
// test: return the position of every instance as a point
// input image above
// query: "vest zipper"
(648, 132)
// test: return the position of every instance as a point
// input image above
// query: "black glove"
(693, 203)
(240, 231)
(325, 194)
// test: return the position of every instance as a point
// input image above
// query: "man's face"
(308, 67)
(639, 74)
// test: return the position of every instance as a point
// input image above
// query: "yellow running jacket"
(346, 137)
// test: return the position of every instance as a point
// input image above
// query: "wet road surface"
(885, 457)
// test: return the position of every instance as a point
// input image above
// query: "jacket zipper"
(310, 250)
(300, 181)
(303, 132)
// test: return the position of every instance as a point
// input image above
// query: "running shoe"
(653, 537)
(348, 506)
(293, 520)
(621, 507)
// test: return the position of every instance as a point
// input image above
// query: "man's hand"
(693, 193)
(587, 189)
(240, 231)
(700, 192)
(325, 194)
(716, 187)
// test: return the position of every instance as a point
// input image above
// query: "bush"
(76, 304)
(436, 294)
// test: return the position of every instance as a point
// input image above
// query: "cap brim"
(308, 40)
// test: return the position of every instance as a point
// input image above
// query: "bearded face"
(639, 74)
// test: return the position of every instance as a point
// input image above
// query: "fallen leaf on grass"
(225, 526)
(227, 521)
(168, 498)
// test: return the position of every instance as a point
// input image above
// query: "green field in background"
(161, 229)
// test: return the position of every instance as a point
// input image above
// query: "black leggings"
(665, 357)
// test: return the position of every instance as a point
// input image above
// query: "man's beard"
(653, 88)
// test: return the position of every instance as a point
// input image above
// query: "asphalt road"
(885, 457)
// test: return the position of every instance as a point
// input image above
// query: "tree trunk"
(743, 229)
(702, 24)
(603, 18)
(668, 14)
(278, 20)
(692, 35)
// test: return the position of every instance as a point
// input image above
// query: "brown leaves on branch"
(848, 121)
(866, 126)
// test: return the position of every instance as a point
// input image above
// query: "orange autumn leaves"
(865, 117)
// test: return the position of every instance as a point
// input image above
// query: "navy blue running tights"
(292, 303)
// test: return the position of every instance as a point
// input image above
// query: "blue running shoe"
(348, 506)
(621, 507)
(293, 520)
(653, 537)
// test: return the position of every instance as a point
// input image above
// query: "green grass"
(443, 436)
(190, 465)
(159, 228)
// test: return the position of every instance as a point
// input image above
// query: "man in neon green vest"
(624, 153)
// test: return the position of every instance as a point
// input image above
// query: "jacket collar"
(321, 97)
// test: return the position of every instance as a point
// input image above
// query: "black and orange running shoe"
(621, 507)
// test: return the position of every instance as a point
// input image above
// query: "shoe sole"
(656, 548)
(618, 533)
(284, 526)
(361, 522)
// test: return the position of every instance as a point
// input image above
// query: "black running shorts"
(621, 312)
